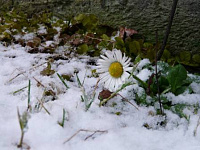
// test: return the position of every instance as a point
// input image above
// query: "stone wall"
(145, 16)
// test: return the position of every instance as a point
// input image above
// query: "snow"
(123, 132)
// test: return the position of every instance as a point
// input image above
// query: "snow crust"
(124, 132)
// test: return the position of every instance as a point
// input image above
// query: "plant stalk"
(160, 53)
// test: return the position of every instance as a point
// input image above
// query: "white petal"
(107, 83)
(112, 83)
(119, 80)
(128, 69)
(125, 76)
(105, 79)
(124, 59)
(109, 54)
(104, 58)
(118, 56)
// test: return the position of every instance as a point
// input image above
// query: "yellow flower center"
(116, 69)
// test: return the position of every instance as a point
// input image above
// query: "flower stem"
(139, 80)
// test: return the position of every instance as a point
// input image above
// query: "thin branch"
(85, 130)
(22, 73)
(43, 86)
(90, 135)
(41, 103)
(112, 41)
(160, 53)
(156, 74)
(123, 98)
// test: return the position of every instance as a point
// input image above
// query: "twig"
(43, 86)
(198, 123)
(90, 136)
(39, 82)
(85, 130)
(123, 98)
(41, 103)
(156, 74)
(99, 39)
(160, 53)
(25, 71)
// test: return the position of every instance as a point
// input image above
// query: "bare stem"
(85, 130)
(123, 98)
(21, 139)
(156, 74)
(160, 53)
(41, 103)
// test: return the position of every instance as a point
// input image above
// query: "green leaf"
(166, 55)
(82, 49)
(137, 59)
(119, 43)
(163, 83)
(176, 77)
(105, 37)
(134, 47)
(185, 56)
(47, 71)
(180, 90)
(196, 58)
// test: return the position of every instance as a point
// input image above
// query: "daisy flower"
(113, 69)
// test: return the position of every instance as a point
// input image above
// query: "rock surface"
(145, 16)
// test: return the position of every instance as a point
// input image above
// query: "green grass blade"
(63, 119)
(79, 82)
(29, 92)
(19, 90)
(67, 87)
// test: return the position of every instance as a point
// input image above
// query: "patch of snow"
(42, 30)
(144, 74)
(142, 63)
(28, 36)
(184, 99)
(123, 132)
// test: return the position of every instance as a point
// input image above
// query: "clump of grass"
(23, 121)
(87, 99)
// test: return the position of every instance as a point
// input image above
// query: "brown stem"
(123, 98)
(156, 74)
(85, 130)
(160, 53)
(21, 139)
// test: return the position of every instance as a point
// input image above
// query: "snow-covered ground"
(100, 128)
